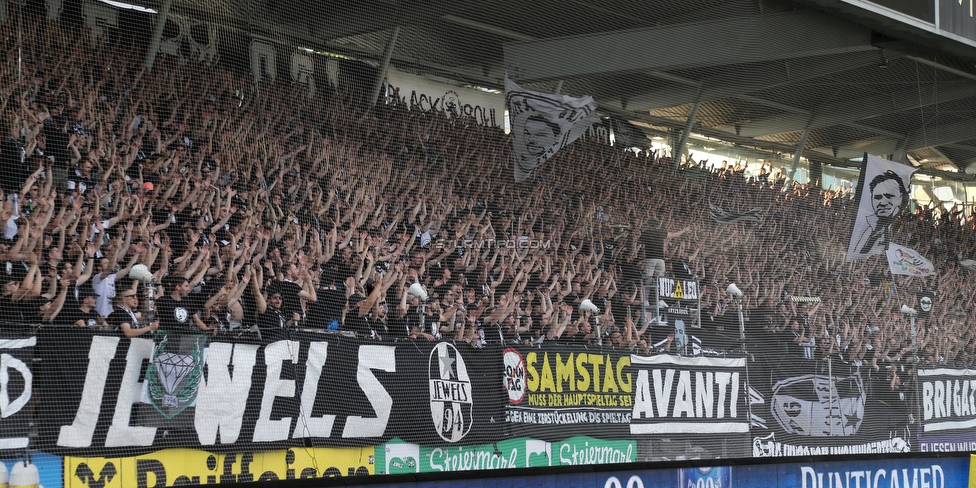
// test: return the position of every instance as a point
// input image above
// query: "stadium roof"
(856, 76)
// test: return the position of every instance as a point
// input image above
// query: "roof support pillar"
(157, 36)
(381, 72)
(692, 115)
(797, 155)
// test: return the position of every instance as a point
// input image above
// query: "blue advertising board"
(48, 466)
(888, 473)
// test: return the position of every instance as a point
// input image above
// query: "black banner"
(316, 389)
(826, 407)
(302, 389)
(17, 382)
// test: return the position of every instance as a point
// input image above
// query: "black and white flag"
(926, 300)
(542, 124)
(721, 216)
(883, 193)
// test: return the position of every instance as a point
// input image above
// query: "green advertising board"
(397, 457)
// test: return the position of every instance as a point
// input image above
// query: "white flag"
(542, 124)
(905, 261)
(883, 193)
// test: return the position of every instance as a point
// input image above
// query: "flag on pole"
(542, 124)
(905, 261)
(883, 192)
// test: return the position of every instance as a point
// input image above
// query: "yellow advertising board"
(972, 471)
(175, 467)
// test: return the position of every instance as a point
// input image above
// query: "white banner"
(884, 192)
(906, 261)
(487, 108)
(542, 124)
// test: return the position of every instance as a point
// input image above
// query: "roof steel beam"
(750, 80)
(746, 39)
(845, 111)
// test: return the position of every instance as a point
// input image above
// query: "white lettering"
(705, 400)
(79, 433)
(266, 430)
(722, 379)
(221, 399)
(806, 472)
(7, 407)
(643, 406)
(928, 393)
(662, 390)
(370, 358)
(313, 426)
(120, 433)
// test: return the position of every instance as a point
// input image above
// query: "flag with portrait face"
(884, 189)
(543, 123)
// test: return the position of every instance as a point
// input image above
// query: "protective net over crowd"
(270, 240)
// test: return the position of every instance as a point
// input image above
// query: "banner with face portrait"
(884, 191)
(542, 124)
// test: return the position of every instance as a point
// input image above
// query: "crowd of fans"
(268, 209)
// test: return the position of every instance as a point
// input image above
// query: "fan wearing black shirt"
(654, 242)
(83, 314)
(292, 293)
(13, 161)
(274, 317)
(176, 312)
(16, 295)
(125, 318)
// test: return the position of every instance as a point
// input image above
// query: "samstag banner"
(559, 386)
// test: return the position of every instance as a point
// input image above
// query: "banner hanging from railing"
(272, 396)
(95, 399)
(948, 405)
(825, 407)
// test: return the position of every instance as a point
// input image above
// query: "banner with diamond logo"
(173, 376)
